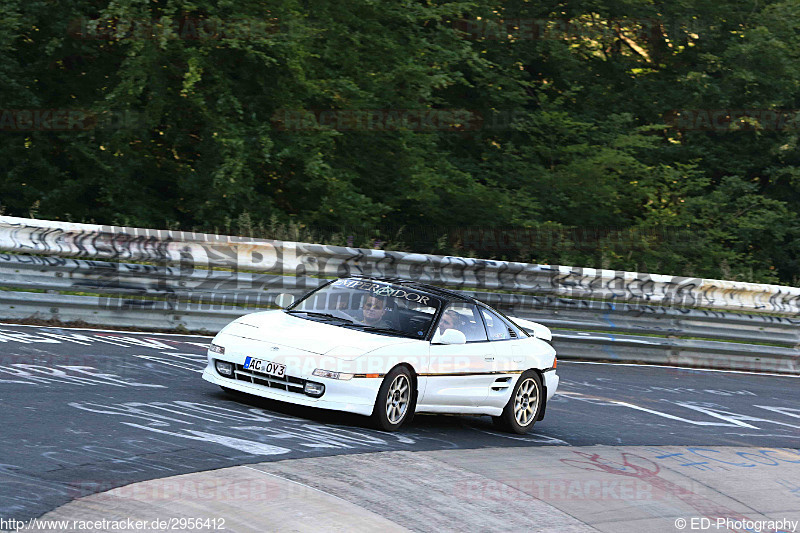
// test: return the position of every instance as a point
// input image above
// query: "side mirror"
(284, 300)
(452, 336)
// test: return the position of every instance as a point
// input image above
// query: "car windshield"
(372, 306)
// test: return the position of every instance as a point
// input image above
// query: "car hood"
(279, 328)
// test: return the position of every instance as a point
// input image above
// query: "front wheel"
(395, 400)
(522, 409)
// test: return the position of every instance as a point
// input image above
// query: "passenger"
(449, 320)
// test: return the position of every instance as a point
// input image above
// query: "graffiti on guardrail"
(192, 251)
(184, 287)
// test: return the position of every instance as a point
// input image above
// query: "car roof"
(445, 294)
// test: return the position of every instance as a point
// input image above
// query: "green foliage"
(563, 151)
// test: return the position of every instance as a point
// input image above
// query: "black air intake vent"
(287, 383)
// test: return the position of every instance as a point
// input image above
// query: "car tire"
(522, 409)
(395, 402)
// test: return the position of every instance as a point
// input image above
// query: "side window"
(499, 329)
(464, 318)
(415, 318)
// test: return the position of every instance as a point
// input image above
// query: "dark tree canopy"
(641, 135)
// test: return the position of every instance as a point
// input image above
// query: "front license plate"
(265, 367)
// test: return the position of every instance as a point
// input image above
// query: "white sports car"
(389, 348)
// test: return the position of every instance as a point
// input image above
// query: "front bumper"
(550, 386)
(356, 395)
(551, 382)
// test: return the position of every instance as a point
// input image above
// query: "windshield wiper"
(322, 315)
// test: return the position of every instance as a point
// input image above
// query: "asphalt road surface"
(84, 411)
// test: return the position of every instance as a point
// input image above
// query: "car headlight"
(216, 349)
(320, 373)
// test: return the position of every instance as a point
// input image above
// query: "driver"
(373, 311)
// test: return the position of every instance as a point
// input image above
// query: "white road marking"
(118, 331)
(246, 446)
(564, 361)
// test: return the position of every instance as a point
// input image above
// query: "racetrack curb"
(557, 488)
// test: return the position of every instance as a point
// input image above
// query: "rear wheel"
(395, 401)
(522, 409)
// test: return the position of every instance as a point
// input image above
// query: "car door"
(508, 344)
(460, 374)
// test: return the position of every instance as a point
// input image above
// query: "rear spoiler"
(534, 328)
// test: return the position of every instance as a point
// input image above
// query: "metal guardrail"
(598, 346)
(178, 294)
(226, 288)
(163, 247)
(178, 284)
